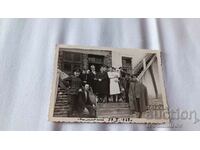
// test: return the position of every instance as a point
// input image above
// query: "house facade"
(70, 59)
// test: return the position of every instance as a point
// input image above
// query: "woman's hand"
(116, 80)
(85, 111)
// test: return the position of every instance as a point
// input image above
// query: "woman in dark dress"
(102, 84)
(84, 76)
(92, 80)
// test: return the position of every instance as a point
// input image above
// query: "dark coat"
(92, 80)
(84, 102)
(125, 83)
(103, 85)
(138, 91)
(75, 85)
(84, 78)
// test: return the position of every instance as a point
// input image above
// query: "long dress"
(92, 81)
(114, 83)
(103, 85)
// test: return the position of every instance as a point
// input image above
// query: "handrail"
(147, 67)
(139, 67)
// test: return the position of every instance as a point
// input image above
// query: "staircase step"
(113, 111)
(63, 96)
(60, 111)
(63, 99)
(61, 115)
(112, 105)
(61, 106)
(63, 103)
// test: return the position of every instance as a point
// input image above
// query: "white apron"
(114, 83)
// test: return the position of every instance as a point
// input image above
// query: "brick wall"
(108, 59)
(60, 59)
(85, 61)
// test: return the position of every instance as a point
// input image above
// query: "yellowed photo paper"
(107, 85)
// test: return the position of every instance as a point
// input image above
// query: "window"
(96, 59)
(71, 61)
(127, 64)
(67, 67)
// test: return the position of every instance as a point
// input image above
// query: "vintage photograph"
(108, 85)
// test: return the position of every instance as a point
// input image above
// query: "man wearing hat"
(138, 96)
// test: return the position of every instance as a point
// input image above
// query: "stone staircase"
(63, 105)
(113, 110)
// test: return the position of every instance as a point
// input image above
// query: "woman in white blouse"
(114, 83)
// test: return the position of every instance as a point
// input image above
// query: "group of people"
(108, 85)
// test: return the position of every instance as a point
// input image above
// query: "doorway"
(96, 60)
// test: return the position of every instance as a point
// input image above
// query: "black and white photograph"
(108, 85)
